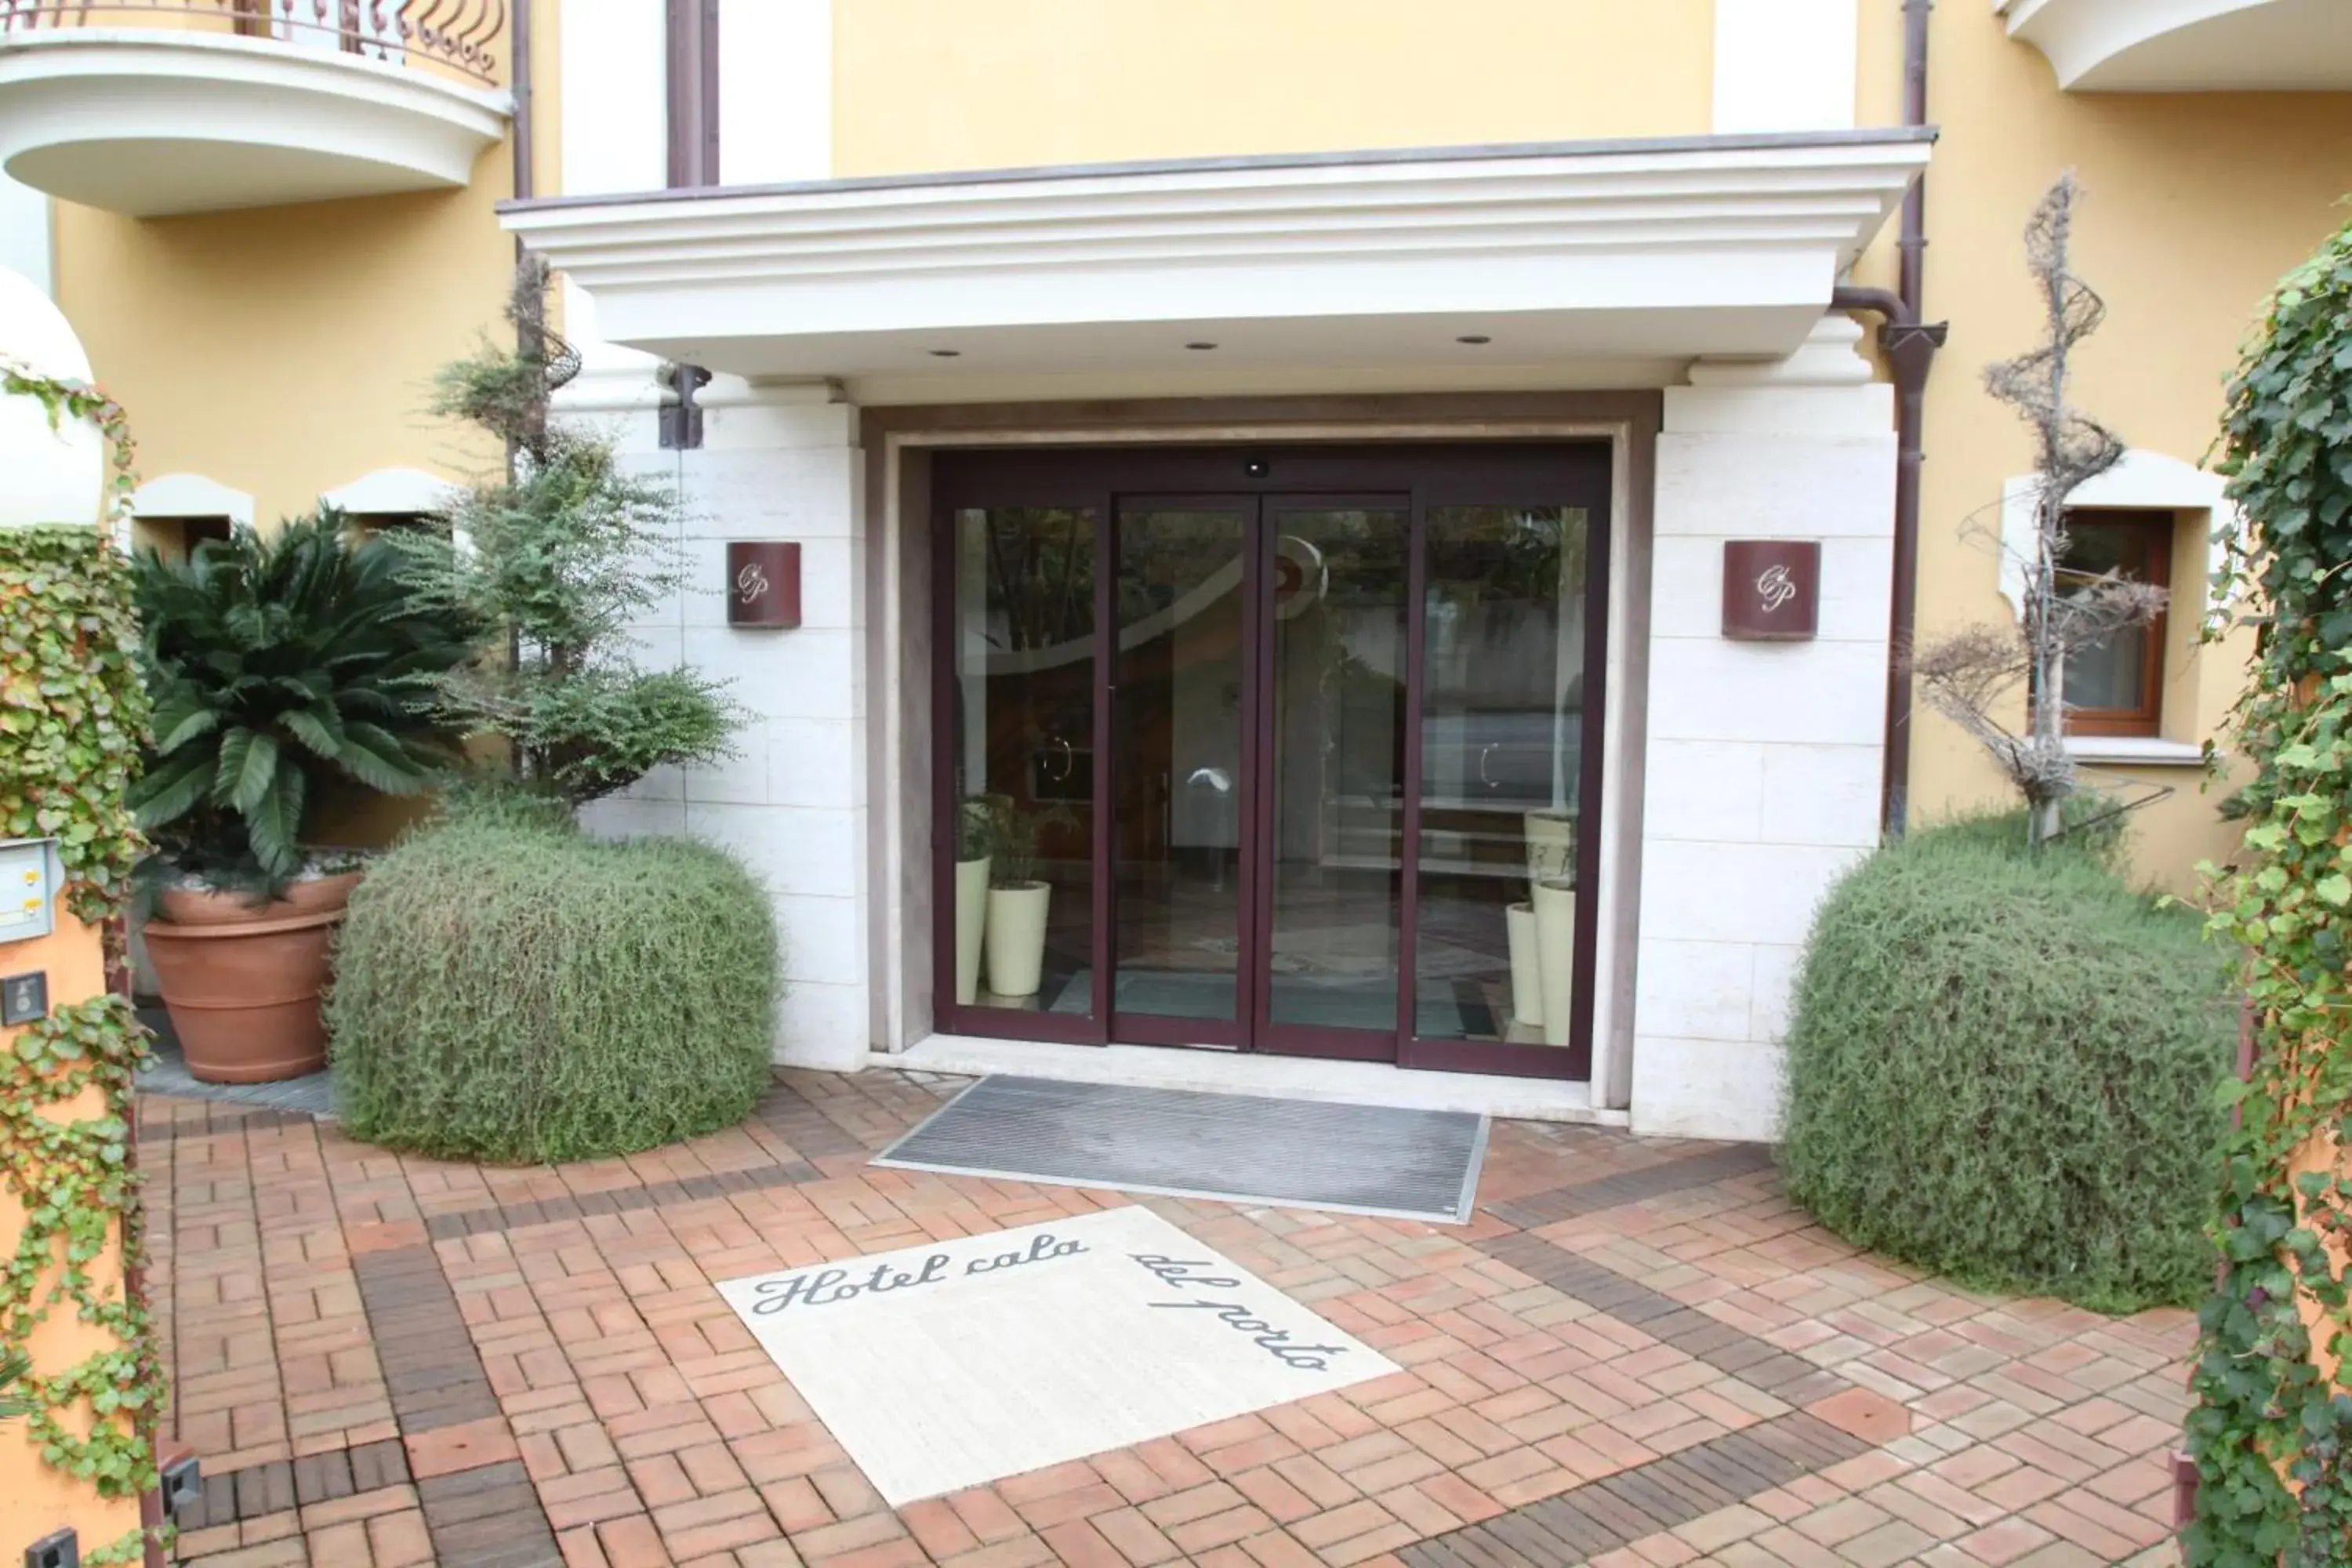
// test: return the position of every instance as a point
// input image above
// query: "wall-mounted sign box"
(1772, 589)
(763, 583)
(24, 998)
(28, 888)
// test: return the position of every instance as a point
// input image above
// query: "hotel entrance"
(1293, 749)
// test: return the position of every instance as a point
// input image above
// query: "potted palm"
(279, 668)
(1018, 898)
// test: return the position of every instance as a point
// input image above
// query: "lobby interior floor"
(1637, 1354)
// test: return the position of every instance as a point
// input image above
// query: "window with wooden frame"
(2116, 687)
(175, 538)
(361, 526)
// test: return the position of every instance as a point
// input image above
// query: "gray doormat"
(1243, 1149)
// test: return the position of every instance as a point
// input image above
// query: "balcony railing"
(461, 35)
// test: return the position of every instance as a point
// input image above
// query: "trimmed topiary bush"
(510, 990)
(2001, 1067)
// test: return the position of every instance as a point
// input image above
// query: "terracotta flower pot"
(204, 907)
(242, 982)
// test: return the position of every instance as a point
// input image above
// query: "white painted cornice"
(2142, 482)
(1720, 246)
(151, 122)
(394, 492)
(190, 495)
(2188, 46)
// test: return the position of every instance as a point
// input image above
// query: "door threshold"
(1248, 1072)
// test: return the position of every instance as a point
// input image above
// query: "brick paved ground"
(1638, 1354)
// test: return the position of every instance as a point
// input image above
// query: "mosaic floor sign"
(960, 1363)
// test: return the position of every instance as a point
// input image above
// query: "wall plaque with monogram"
(1772, 589)
(763, 583)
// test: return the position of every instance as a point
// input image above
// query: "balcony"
(153, 108)
(2188, 46)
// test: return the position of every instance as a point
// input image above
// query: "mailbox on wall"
(763, 583)
(1772, 589)
(28, 888)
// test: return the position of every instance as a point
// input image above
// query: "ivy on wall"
(2269, 1427)
(75, 1178)
(71, 707)
(72, 715)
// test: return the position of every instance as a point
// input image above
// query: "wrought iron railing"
(461, 35)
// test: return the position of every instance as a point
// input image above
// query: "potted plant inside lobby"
(279, 666)
(1018, 898)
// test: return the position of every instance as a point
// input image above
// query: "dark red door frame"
(1433, 475)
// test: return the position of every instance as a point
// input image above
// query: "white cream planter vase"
(970, 919)
(1555, 902)
(1017, 937)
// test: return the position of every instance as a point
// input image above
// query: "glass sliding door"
(1021, 765)
(1184, 667)
(1289, 750)
(1508, 711)
(1333, 607)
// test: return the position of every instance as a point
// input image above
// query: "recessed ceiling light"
(1475, 338)
(1200, 347)
(946, 354)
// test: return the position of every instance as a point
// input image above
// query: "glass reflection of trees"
(1041, 576)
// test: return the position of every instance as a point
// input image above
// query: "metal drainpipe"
(1910, 348)
(525, 179)
(526, 185)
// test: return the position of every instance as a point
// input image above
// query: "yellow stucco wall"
(287, 351)
(2194, 206)
(931, 85)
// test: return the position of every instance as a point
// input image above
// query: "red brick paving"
(385, 1360)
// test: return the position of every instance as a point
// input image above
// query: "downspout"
(1910, 348)
(519, 88)
(526, 185)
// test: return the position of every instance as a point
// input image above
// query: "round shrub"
(2001, 1067)
(508, 989)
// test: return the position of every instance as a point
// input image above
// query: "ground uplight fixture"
(1199, 348)
(1474, 338)
(947, 353)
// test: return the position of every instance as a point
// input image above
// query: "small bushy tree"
(561, 555)
(1974, 676)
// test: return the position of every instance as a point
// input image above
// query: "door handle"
(1484, 752)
